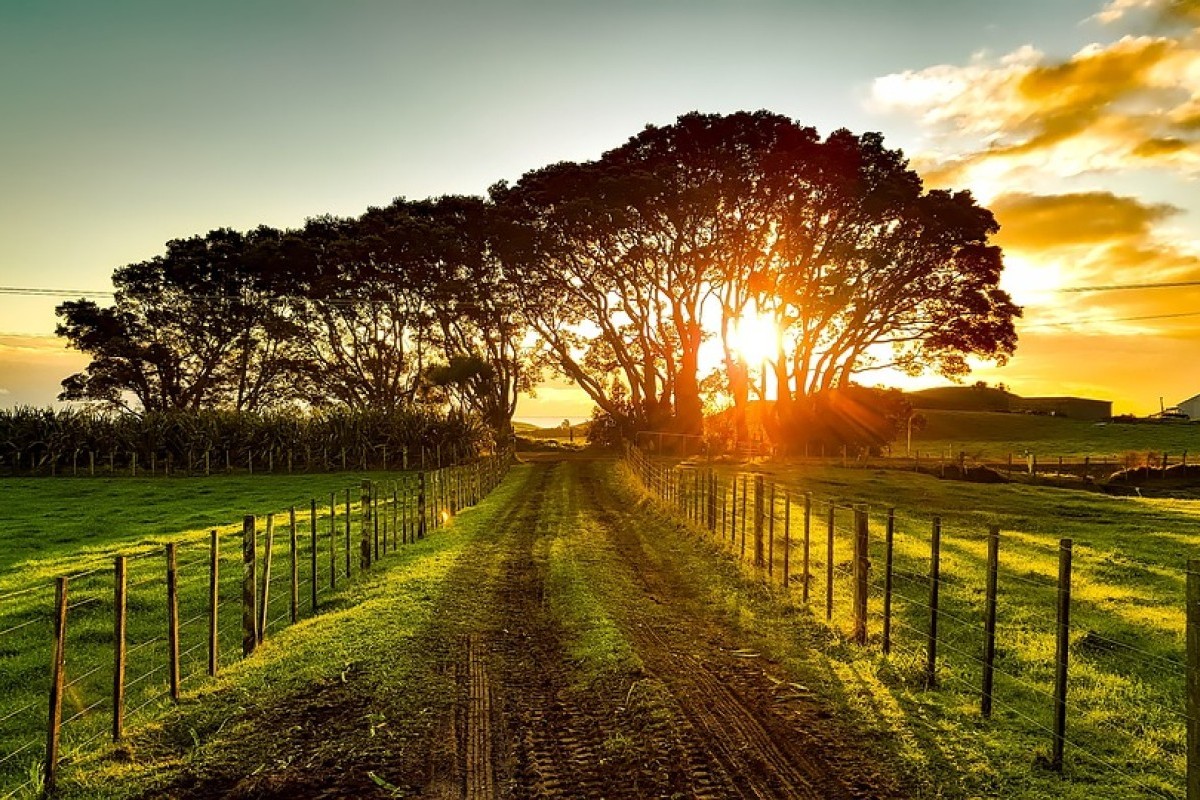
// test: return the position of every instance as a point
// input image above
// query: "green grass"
(996, 435)
(1127, 674)
(584, 586)
(136, 517)
(366, 645)
(51, 525)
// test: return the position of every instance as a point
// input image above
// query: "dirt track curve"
(696, 719)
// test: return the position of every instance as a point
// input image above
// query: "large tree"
(190, 329)
(867, 270)
(585, 286)
(635, 256)
(490, 354)
(351, 288)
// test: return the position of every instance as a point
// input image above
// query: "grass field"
(996, 435)
(1126, 714)
(73, 527)
(52, 526)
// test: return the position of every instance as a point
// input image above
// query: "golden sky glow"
(1076, 121)
(1088, 161)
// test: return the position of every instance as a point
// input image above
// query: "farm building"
(1191, 407)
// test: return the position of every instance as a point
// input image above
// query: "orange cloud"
(1131, 103)
(1034, 222)
(31, 368)
(1164, 12)
(1089, 239)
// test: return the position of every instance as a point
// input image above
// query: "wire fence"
(1130, 468)
(43, 460)
(123, 639)
(1079, 653)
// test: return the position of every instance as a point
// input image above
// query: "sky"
(127, 124)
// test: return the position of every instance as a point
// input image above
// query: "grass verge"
(1125, 713)
(358, 677)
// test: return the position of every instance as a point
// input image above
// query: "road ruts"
(728, 722)
(554, 743)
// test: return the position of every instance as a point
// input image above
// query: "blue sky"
(130, 123)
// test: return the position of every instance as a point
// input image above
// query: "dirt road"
(581, 662)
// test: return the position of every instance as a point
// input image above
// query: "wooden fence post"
(421, 510)
(745, 490)
(733, 511)
(375, 519)
(214, 601)
(807, 576)
(935, 566)
(364, 510)
(889, 546)
(787, 539)
(405, 491)
(294, 563)
(1192, 614)
(57, 671)
(119, 605)
(395, 514)
(312, 532)
(861, 567)
(333, 540)
(759, 556)
(172, 622)
(264, 599)
(711, 506)
(771, 533)
(1061, 652)
(249, 586)
(348, 531)
(989, 621)
(829, 565)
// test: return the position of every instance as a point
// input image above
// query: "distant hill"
(986, 398)
(962, 398)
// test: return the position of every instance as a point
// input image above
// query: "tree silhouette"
(616, 271)
(191, 329)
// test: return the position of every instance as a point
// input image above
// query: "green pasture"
(366, 639)
(1125, 731)
(984, 434)
(52, 526)
(73, 527)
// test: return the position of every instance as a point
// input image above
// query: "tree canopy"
(630, 274)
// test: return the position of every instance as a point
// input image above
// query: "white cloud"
(1129, 104)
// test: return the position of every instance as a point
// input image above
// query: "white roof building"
(1191, 407)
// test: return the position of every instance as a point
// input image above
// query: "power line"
(1119, 287)
(37, 292)
(1144, 318)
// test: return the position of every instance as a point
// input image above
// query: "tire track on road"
(762, 754)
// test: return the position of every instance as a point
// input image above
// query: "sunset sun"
(754, 337)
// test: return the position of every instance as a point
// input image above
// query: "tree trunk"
(689, 411)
